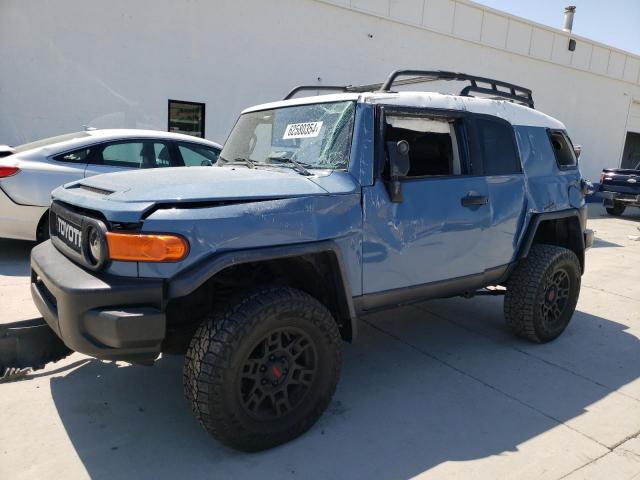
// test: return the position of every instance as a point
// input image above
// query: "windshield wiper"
(246, 161)
(297, 166)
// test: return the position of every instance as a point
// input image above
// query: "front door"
(429, 237)
(438, 231)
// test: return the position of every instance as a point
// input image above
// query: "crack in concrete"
(548, 362)
(482, 382)
(612, 451)
(610, 293)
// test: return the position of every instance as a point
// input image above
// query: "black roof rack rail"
(515, 93)
(338, 88)
(488, 86)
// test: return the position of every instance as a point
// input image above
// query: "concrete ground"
(437, 390)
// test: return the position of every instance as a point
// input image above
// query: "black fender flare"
(193, 277)
(538, 218)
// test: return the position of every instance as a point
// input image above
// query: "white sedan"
(29, 172)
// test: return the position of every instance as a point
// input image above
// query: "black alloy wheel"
(263, 367)
(278, 373)
(542, 293)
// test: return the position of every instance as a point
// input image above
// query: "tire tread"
(220, 335)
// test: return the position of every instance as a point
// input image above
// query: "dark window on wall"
(563, 149)
(498, 147)
(186, 117)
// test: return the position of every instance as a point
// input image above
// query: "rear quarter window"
(77, 156)
(562, 149)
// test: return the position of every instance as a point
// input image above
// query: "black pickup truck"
(620, 188)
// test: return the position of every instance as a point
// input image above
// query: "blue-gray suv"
(319, 210)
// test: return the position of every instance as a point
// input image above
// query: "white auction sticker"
(302, 130)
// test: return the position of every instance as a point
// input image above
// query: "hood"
(125, 196)
(194, 184)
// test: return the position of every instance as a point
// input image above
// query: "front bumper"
(619, 197)
(100, 315)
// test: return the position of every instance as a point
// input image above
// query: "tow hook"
(27, 346)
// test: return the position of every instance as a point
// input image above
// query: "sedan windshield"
(299, 137)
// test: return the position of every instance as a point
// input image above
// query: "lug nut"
(264, 381)
(272, 357)
(263, 368)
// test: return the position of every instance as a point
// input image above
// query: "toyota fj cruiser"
(320, 209)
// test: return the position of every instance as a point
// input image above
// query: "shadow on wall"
(428, 393)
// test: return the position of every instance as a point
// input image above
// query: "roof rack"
(487, 86)
(338, 88)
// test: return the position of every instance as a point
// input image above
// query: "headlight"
(94, 244)
(96, 251)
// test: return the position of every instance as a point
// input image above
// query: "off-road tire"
(617, 209)
(217, 360)
(530, 287)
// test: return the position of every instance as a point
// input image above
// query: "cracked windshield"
(301, 137)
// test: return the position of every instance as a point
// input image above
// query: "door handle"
(473, 200)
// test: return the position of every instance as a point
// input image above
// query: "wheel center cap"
(552, 295)
(276, 372)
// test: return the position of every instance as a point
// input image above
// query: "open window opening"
(565, 156)
(433, 145)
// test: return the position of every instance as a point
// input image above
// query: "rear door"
(129, 154)
(502, 169)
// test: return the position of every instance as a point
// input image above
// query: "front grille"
(70, 230)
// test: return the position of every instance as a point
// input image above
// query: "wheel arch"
(316, 268)
(563, 228)
(42, 234)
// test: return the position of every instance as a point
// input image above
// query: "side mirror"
(577, 149)
(206, 163)
(398, 168)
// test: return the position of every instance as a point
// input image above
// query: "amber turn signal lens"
(146, 248)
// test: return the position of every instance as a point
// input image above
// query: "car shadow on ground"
(423, 385)
(14, 257)
(599, 243)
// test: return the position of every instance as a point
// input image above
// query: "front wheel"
(260, 371)
(617, 209)
(542, 293)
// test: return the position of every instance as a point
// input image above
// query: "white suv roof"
(509, 111)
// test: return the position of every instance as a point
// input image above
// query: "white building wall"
(115, 64)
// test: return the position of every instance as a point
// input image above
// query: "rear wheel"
(261, 370)
(617, 209)
(542, 293)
